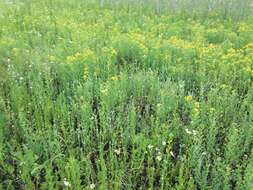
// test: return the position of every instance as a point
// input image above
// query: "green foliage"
(98, 95)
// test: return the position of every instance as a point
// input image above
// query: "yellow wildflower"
(52, 58)
(196, 109)
(85, 73)
(115, 78)
(188, 98)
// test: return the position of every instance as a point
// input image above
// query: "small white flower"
(150, 146)
(159, 105)
(104, 91)
(117, 151)
(159, 158)
(188, 131)
(92, 186)
(163, 143)
(194, 132)
(66, 183)
(22, 163)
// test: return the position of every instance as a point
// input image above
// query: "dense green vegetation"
(115, 96)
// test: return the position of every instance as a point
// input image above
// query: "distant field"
(126, 95)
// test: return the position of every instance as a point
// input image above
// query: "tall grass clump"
(235, 9)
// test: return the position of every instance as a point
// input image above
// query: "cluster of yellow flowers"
(248, 49)
(86, 56)
(242, 57)
(244, 28)
(180, 43)
(109, 54)
(195, 105)
(115, 78)
(161, 43)
(139, 41)
(207, 50)
(85, 73)
(196, 109)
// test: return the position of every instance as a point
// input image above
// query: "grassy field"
(126, 95)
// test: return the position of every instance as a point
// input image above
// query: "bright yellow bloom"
(197, 105)
(85, 73)
(115, 78)
(87, 55)
(196, 109)
(188, 98)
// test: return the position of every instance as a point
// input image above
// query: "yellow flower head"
(115, 78)
(85, 73)
(188, 98)
(196, 109)
(197, 105)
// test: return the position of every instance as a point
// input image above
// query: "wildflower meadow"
(126, 95)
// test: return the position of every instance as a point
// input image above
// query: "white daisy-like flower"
(92, 186)
(188, 131)
(163, 143)
(117, 151)
(194, 132)
(66, 183)
(159, 105)
(159, 158)
(104, 91)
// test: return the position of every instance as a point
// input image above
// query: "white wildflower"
(188, 131)
(159, 105)
(117, 151)
(92, 186)
(66, 183)
(104, 91)
(193, 132)
(159, 158)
